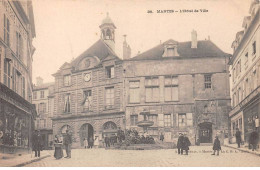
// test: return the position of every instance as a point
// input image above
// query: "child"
(216, 146)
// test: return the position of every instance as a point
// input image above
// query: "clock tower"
(107, 28)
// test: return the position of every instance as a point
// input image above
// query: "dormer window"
(170, 50)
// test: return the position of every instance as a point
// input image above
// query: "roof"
(99, 49)
(43, 86)
(204, 48)
(107, 20)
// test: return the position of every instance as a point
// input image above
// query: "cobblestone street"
(199, 156)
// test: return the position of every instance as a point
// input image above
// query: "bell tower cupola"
(107, 28)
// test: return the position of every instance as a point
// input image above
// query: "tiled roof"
(204, 48)
(98, 49)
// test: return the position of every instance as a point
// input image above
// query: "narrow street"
(199, 156)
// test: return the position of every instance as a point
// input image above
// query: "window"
(42, 108)
(43, 123)
(254, 47)
(171, 92)
(182, 120)
(110, 72)
(67, 103)
(35, 95)
(6, 30)
(254, 80)
(167, 120)
(238, 67)
(7, 73)
(109, 97)
(152, 89)
(19, 45)
(234, 128)
(67, 80)
(42, 94)
(207, 81)
(246, 56)
(133, 119)
(23, 86)
(153, 131)
(87, 101)
(134, 91)
(170, 52)
(153, 118)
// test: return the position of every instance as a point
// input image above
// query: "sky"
(66, 28)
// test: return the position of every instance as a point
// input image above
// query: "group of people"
(59, 141)
(88, 143)
(183, 144)
(253, 139)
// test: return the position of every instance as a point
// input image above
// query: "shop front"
(16, 122)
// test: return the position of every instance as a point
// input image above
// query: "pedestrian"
(186, 143)
(112, 141)
(67, 144)
(180, 143)
(85, 141)
(216, 146)
(96, 142)
(107, 141)
(91, 142)
(36, 141)
(58, 153)
(253, 140)
(238, 138)
(162, 137)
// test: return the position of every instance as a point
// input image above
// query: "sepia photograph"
(129, 83)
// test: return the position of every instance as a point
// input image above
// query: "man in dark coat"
(185, 145)
(67, 144)
(253, 140)
(107, 141)
(216, 146)
(161, 137)
(36, 142)
(238, 138)
(180, 143)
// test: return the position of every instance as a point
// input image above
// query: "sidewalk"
(243, 148)
(14, 160)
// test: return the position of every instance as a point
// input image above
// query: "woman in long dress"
(58, 147)
(85, 141)
(96, 142)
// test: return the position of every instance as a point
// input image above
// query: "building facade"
(16, 50)
(245, 77)
(43, 100)
(184, 86)
(88, 91)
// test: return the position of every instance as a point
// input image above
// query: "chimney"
(194, 41)
(126, 49)
(39, 81)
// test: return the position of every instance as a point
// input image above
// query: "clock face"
(87, 77)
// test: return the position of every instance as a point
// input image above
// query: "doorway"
(86, 131)
(205, 132)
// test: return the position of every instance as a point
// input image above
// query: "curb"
(31, 161)
(247, 151)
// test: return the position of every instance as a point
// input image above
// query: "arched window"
(108, 34)
(109, 125)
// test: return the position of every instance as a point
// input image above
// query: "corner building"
(88, 91)
(17, 31)
(245, 77)
(184, 86)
